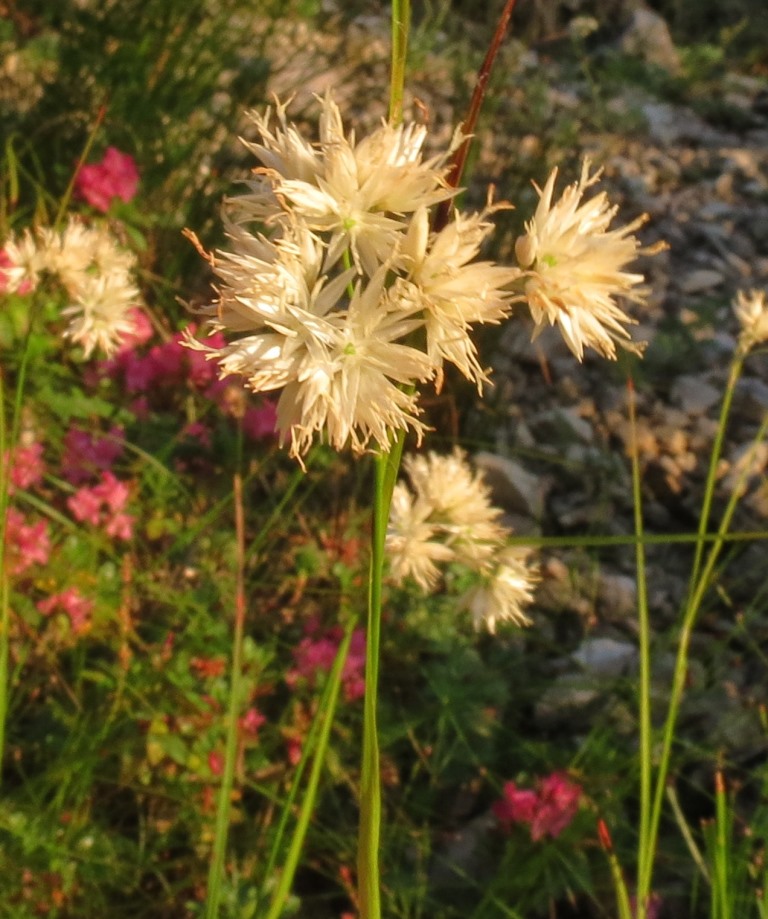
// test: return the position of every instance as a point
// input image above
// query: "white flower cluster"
(336, 289)
(575, 267)
(446, 518)
(751, 310)
(93, 269)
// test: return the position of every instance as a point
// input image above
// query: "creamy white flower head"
(79, 249)
(502, 596)
(27, 261)
(347, 389)
(453, 290)
(751, 310)
(449, 505)
(447, 518)
(358, 193)
(100, 316)
(415, 546)
(575, 267)
(93, 270)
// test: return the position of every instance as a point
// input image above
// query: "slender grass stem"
(326, 712)
(644, 639)
(717, 449)
(690, 614)
(401, 26)
(8, 442)
(216, 871)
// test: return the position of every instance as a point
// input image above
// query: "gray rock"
(605, 656)
(694, 395)
(513, 486)
(699, 280)
(647, 36)
(617, 594)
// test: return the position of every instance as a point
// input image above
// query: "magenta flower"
(260, 421)
(27, 544)
(548, 810)
(102, 506)
(116, 176)
(251, 721)
(77, 608)
(26, 466)
(86, 454)
(316, 655)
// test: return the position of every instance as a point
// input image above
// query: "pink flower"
(76, 607)
(260, 421)
(102, 506)
(86, 454)
(548, 810)
(558, 803)
(5, 262)
(27, 544)
(315, 655)
(115, 176)
(518, 805)
(26, 466)
(216, 763)
(251, 721)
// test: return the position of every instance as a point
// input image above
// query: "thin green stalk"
(401, 26)
(687, 835)
(717, 449)
(692, 608)
(216, 870)
(623, 907)
(644, 687)
(8, 443)
(325, 714)
(386, 467)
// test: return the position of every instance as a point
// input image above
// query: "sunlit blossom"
(751, 309)
(93, 270)
(446, 517)
(575, 267)
(502, 595)
(358, 192)
(454, 291)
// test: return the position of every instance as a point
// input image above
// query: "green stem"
(401, 25)
(7, 445)
(644, 640)
(216, 871)
(693, 605)
(717, 449)
(326, 712)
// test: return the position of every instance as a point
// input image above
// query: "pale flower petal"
(575, 268)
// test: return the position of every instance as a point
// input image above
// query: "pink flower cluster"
(316, 653)
(116, 176)
(87, 455)
(27, 544)
(25, 466)
(170, 366)
(102, 506)
(548, 809)
(75, 607)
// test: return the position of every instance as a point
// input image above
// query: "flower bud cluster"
(336, 290)
(94, 271)
(446, 518)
